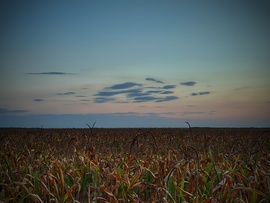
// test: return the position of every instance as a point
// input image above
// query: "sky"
(134, 63)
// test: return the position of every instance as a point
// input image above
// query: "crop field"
(135, 165)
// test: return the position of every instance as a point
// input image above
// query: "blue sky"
(134, 63)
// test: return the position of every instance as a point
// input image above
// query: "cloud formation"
(199, 93)
(125, 85)
(38, 100)
(84, 100)
(154, 91)
(167, 92)
(168, 98)
(103, 99)
(155, 99)
(135, 93)
(145, 99)
(112, 93)
(169, 86)
(154, 80)
(67, 93)
(51, 73)
(189, 83)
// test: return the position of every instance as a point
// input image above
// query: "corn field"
(206, 165)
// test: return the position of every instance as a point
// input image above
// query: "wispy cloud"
(154, 80)
(84, 100)
(155, 99)
(125, 85)
(154, 91)
(189, 83)
(168, 98)
(135, 93)
(38, 100)
(112, 93)
(51, 73)
(145, 99)
(199, 93)
(167, 92)
(67, 93)
(103, 99)
(7, 111)
(169, 86)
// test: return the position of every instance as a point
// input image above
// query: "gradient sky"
(134, 63)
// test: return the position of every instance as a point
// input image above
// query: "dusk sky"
(134, 63)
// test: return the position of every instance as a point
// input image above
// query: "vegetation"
(135, 165)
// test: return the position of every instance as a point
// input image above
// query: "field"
(135, 165)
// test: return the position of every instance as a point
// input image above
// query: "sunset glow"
(135, 63)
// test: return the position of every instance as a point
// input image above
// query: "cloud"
(67, 93)
(108, 94)
(168, 98)
(38, 100)
(137, 94)
(169, 86)
(154, 80)
(189, 83)
(103, 99)
(199, 93)
(154, 91)
(84, 100)
(145, 99)
(112, 93)
(167, 92)
(51, 73)
(134, 93)
(125, 85)
(7, 111)
(155, 99)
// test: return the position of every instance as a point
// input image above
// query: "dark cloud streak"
(51, 73)
(145, 99)
(125, 85)
(67, 93)
(112, 93)
(135, 93)
(103, 99)
(38, 100)
(168, 98)
(154, 80)
(199, 93)
(167, 92)
(154, 91)
(169, 86)
(189, 83)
